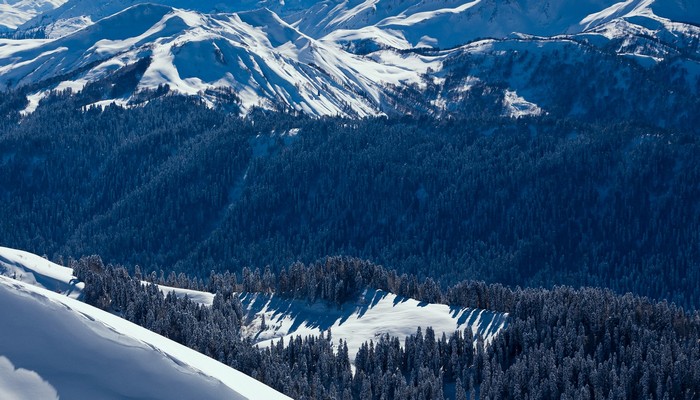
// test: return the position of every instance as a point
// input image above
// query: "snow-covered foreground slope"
(375, 314)
(53, 346)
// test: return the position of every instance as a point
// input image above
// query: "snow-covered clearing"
(376, 313)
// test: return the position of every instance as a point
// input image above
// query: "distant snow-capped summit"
(363, 57)
(266, 61)
(14, 13)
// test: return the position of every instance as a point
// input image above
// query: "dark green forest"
(530, 202)
(559, 344)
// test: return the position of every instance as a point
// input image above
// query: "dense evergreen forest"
(175, 185)
(559, 344)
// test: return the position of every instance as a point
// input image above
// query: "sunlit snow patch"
(38, 271)
(375, 313)
(516, 106)
(199, 297)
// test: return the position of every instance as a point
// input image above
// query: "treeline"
(560, 343)
(572, 79)
(303, 368)
(529, 202)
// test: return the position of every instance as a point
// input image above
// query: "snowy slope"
(373, 314)
(14, 13)
(34, 270)
(53, 346)
(376, 313)
(450, 23)
(92, 10)
(264, 60)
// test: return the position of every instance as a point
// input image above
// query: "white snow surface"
(21, 384)
(298, 55)
(263, 59)
(516, 106)
(374, 314)
(199, 297)
(450, 23)
(14, 13)
(50, 341)
(34, 270)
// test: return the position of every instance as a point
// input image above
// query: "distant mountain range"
(362, 58)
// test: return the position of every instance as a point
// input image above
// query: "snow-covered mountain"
(71, 12)
(54, 346)
(264, 60)
(451, 23)
(361, 57)
(14, 13)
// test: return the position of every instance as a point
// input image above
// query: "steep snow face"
(93, 10)
(414, 23)
(59, 343)
(450, 23)
(661, 10)
(376, 313)
(14, 13)
(344, 57)
(264, 60)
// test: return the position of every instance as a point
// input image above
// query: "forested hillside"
(563, 343)
(501, 197)
(175, 185)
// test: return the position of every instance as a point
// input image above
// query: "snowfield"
(266, 61)
(203, 298)
(14, 13)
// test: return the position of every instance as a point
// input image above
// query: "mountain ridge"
(360, 58)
